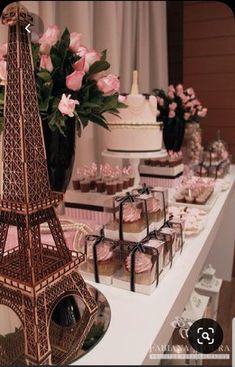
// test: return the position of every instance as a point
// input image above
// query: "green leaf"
(55, 58)
(99, 120)
(110, 102)
(44, 75)
(98, 66)
(90, 104)
(121, 105)
(103, 55)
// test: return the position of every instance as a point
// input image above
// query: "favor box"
(102, 259)
(139, 271)
(156, 205)
(130, 220)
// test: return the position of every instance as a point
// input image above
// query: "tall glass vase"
(192, 145)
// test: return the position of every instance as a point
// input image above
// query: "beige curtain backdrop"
(133, 32)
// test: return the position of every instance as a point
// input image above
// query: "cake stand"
(134, 159)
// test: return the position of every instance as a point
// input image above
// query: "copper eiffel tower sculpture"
(33, 276)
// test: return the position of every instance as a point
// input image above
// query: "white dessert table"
(139, 321)
(134, 159)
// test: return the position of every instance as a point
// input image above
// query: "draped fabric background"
(133, 32)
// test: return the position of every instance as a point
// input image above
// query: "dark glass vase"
(173, 134)
(60, 151)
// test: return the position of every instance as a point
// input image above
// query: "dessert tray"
(193, 219)
(207, 206)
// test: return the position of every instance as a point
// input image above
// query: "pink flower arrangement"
(181, 101)
(177, 107)
(72, 80)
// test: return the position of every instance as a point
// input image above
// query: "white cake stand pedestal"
(134, 159)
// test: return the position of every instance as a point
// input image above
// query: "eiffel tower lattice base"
(34, 305)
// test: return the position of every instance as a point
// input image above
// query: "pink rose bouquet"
(178, 107)
(72, 81)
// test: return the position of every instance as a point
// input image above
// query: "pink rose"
(179, 89)
(92, 56)
(3, 71)
(81, 65)
(121, 98)
(97, 76)
(82, 51)
(108, 84)
(188, 104)
(195, 102)
(203, 112)
(171, 88)
(171, 114)
(67, 105)
(3, 50)
(190, 91)
(74, 80)
(170, 94)
(172, 106)
(45, 63)
(75, 40)
(186, 115)
(183, 97)
(49, 39)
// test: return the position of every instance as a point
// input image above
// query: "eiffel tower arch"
(33, 275)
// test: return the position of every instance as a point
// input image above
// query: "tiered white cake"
(136, 130)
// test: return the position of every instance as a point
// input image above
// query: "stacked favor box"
(137, 247)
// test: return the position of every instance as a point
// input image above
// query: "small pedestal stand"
(134, 159)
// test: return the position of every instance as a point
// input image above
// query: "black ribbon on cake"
(140, 246)
(129, 198)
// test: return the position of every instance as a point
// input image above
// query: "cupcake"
(163, 162)
(125, 182)
(144, 268)
(107, 260)
(153, 209)
(159, 245)
(111, 187)
(100, 186)
(131, 181)
(132, 218)
(85, 186)
(76, 184)
(119, 185)
(93, 184)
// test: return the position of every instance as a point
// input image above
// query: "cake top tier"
(141, 109)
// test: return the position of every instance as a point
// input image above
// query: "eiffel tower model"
(34, 277)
